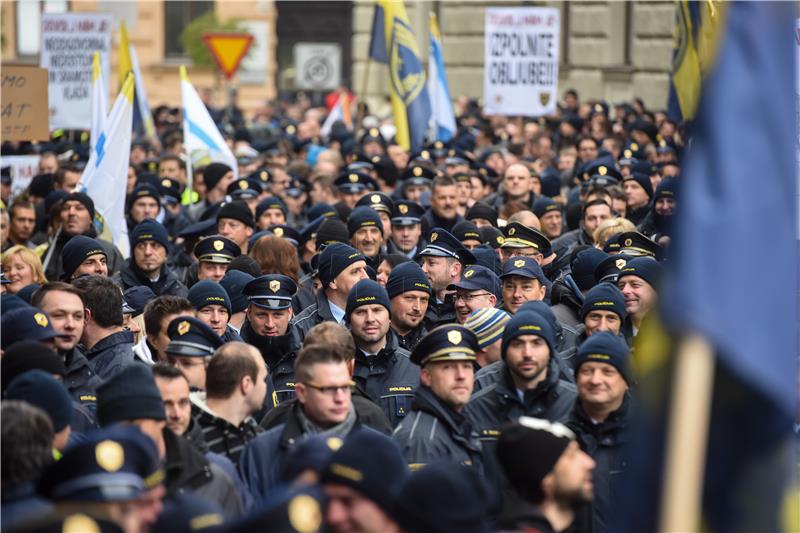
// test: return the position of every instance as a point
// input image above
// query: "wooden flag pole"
(687, 440)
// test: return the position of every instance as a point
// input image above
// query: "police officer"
(191, 344)
(603, 309)
(435, 428)
(267, 328)
(148, 262)
(213, 306)
(382, 371)
(381, 204)
(523, 281)
(410, 293)
(270, 211)
(601, 418)
(406, 236)
(443, 261)
(235, 221)
(366, 233)
(83, 255)
(214, 254)
(353, 185)
(479, 287)
(638, 281)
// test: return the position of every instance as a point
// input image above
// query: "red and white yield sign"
(228, 50)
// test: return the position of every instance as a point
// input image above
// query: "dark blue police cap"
(234, 283)
(377, 201)
(525, 267)
(272, 291)
(442, 243)
(217, 249)
(636, 244)
(448, 342)
(520, 236)
(135, 298)
(289, 233)
(355, 182)
(478, 278)
(244, 189)
(191, 337)
(25, 323)
(608, 269)
(407, 213)
(363, 217)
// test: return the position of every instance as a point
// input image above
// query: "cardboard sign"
(23, 169)
(521, 61)
(23, 112)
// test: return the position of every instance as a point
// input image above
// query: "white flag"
(106, 174)
(201, 139)
(141, 95)
(99, 102)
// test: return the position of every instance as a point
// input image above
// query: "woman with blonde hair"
(22, 267)
(609, 228)
(276, 256)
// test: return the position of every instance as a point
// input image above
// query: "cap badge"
(264, 175)
(425, 154)
(628, 242)
(218, 245)
(165, 183)
(274, 285)
(634, 146)
(290, 129)
(519, 263)
(417, 171)
(512, 231)
(305, 515)
(469, 273)
(183, 328)
(374, 132)
(602, 170)
(375, 199)
(242, 184)
(628, 154)
(438, 145)
(376, 158)
(619, 263)
(109, 455)
(598, 107)
(40, 319)
(353, 178)
(501, 240)
(483, 171)
(278, 232)
(434, 236)
(80, 523)
(454, 336)
(402, 208)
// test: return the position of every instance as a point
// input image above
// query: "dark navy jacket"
(112, 354)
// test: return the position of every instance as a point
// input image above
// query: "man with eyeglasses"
(324, 408)
(479, 287)
(191, 345)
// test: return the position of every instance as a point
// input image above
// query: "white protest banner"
(68, 42)
(23, 169)
(521, 61)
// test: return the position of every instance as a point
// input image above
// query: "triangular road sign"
(228, 49)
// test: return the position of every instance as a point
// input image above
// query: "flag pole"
(362, 102)
(687, 437)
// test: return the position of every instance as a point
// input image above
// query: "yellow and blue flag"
(739, 168)
(105, 176)
(99, 102)
(129, 62)
(443, 117)
(393, 42)
(696, 34)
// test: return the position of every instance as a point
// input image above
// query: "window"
(178, 15)
(29, 23)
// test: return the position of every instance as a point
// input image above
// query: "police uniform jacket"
(606, 443)
(497, 404)
(431, 220)
(304, 297)
(279, 355)
(112, 354)
(388, 378)
(188, 470)
(316, 313)
(168, 283)
(412, 338)
(230, 335)
(440, 313)
(564, 245)
(262, 460)
(434, 431)
(80, 379)
(565, 303)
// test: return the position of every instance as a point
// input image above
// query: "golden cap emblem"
(305, 514)
(598, 107)
(434, 236)
(451, 152)
(376, 158)
(109, 455)
(512, 231)
(274, 285)
(41, 319)
(80, 523)
(278, 232)
(242, 184)
(403, 208)
(183, 328)
(454, 336)
(218, 245)
(469, 273)
(620, 263)
(264, 175)
(519, 263)
(425, 154)
(634, 146)
(501, 240)
(334, 443)
(602, 170)
(483, 171)
(628, 242)
(353, 178)
(375, 199)
(165, 183)
(438, 144)
(290, 129)
(628, 154)
(417, 171)
(374, 132)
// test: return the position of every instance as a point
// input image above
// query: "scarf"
(340, 430)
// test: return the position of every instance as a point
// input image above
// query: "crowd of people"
(339, 334)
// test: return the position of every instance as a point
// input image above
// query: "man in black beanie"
(147, 264)
(639, 190)
(216, 178)
(550, 484)
(235, 221)
(83, 255)
(77, 215)
(132, 397)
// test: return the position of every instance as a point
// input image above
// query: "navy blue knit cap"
(208, 292)
(130, 394)
(407, 277)
(367, 292)
(135, 298)
(528, 323)
(584, 265)
(41, 389)
(605, 347)
(643, 180)
(149, 230)
(605, 297)
(334, 259)
(544, 205)
(270, 202)
(364, 217)
(646, 268)
(234, 283)
(77, 250)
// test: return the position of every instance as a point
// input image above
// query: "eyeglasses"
(470, 297)
(332, 390)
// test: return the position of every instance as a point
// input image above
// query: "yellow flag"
(125, 64)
